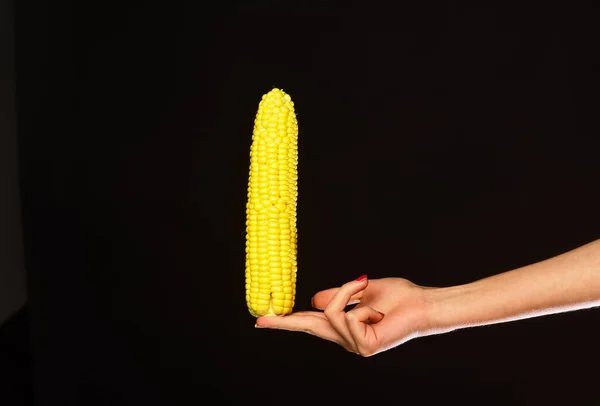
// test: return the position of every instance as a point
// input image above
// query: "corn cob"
(271, 233)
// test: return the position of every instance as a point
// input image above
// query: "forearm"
(569, 281)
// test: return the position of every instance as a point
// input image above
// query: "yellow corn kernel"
(271, 233)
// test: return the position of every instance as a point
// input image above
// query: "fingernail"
(312, 301)
(257, 326)
(361, 278)
(380, 313)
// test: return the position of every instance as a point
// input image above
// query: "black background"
(438, 142)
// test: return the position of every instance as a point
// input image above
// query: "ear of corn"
(271, 233)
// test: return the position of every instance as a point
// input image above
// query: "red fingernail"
(361, 278)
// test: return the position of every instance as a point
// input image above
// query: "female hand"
(390, 311)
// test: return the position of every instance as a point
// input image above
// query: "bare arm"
(570, 281)
(392, 311)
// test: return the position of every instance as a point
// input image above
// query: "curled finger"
(322, 299)
(359, 322)
(335, 310)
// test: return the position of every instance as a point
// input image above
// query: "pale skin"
(391, 311)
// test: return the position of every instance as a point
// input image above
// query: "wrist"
(445, 311)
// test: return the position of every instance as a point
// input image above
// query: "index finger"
(313, 323)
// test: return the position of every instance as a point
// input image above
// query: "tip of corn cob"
(271, 234)
(277, 94)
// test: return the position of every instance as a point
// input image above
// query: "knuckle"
(350, 316)
(366, 349)
(365, 352)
